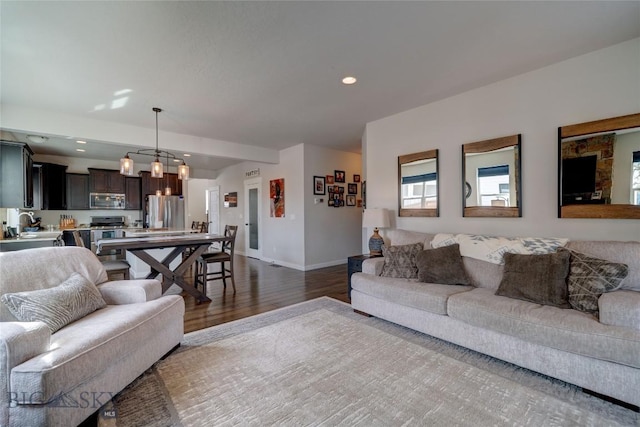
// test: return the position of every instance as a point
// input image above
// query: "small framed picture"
(339, 176)
(351, 200)
(341, 190)
(352, 189)
(359, 203)
(336, 188)
(596, 195)
(330, 202)
(319, 185)
(329, 179)
(356, 178)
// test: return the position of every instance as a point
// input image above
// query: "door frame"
(248, 185)
(215, 189)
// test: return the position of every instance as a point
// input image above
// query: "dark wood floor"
(262, 287)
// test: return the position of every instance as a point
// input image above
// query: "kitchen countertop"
(38, 236)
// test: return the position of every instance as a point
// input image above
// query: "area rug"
(320, 364)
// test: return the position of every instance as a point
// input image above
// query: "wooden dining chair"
(221, 257)
(113, 267)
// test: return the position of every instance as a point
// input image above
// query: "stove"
(107, 227)
(106, 222)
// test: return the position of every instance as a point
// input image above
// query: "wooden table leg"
(169, 276)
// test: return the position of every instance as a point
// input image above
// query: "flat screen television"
(579, 175)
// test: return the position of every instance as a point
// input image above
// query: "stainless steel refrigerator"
(164, 212)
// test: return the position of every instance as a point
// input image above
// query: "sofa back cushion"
(398, 237)
(43, 268)
(623, 252)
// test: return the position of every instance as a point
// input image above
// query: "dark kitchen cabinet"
(106, 181)
(16, 175)
(133, 193)
(53, 186)
(150, 185)
(77, 191)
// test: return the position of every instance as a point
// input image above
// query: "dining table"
(191, 244)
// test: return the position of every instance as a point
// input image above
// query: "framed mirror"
(491, 178)
(418, 184)
(599, 169)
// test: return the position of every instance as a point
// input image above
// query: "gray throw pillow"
(590, 277)
(400, 261)
(56, 307)
(536, 278)
(442, 265)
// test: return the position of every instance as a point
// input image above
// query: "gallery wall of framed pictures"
(340, 193)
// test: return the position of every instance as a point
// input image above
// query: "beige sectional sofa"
(60, 378)
(599, 353)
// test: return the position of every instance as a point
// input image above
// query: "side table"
(355, 266)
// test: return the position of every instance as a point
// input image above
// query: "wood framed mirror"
(599, 169)
(418, 184)
(491, 178)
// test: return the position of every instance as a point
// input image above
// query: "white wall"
(594, 86)
(197, 199)
(309, 236)
(331, 234)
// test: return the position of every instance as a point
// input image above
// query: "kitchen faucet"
(29, 214)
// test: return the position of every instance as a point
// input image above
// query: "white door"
(252, 215)
(213, 209)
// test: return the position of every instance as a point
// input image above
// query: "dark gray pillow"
(442, 265)
(400, 261)
(536, 278)
(56, 307)
(590, 277)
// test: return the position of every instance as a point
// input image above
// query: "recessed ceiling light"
(176, 160)
(187, 155)
(82, 150)
(349, 80)
(37, 139)
(81, 142)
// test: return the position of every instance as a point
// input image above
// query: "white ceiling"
(268, 73)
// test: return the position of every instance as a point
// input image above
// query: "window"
(635, 181)
(493, 186)
(419, 191)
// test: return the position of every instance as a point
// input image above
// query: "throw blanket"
(491, 248)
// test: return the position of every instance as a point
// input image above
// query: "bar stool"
(221, 257)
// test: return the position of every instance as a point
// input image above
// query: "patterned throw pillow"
(56, 307)
(442, 265)
(590, 277)
(400, 261)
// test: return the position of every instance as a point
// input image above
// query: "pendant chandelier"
(157, 168)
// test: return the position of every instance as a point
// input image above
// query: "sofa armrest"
(373, 266)
(620, 308)
(19, 342)
(118, 292)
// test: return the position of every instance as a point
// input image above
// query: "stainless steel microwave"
(106, 201)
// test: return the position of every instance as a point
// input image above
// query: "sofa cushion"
(398, 237)
(400, 261)
(483, 274)
(623, 252)
(536, 278)
(423, 296)
(58, 306)
(567, 330)
(590, 277)
(620, 308)
(89, 346)
(442, 265)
